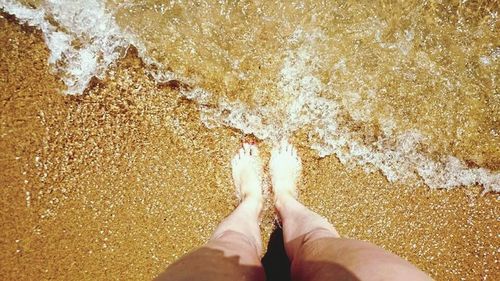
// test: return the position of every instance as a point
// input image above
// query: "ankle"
(282, 199)
(254, 203)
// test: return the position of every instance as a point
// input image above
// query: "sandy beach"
(117, 183)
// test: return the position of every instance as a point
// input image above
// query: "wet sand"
(121, 181)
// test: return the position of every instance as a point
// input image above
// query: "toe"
(274, 152)
(286, 148)
(254, 151)
(283, 146)
(246, 148)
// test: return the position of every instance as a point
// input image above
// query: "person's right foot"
(247, 173)
(285, 167)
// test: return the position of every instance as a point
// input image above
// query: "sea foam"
(83, 37)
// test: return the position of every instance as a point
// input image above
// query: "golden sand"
(121, 181)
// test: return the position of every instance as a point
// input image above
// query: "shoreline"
(116, 192)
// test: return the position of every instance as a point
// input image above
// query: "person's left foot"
(247, 173)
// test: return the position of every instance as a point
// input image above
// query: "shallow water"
(408, 88)
(106, 185)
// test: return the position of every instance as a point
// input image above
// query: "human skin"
(314, 247)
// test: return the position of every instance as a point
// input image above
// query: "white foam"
(100, 40)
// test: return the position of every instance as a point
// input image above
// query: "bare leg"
(233, 252)
(314, 247)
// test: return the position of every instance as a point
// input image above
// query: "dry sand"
(121, 181)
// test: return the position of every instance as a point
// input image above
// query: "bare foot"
(247, 173)
(285, 167)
